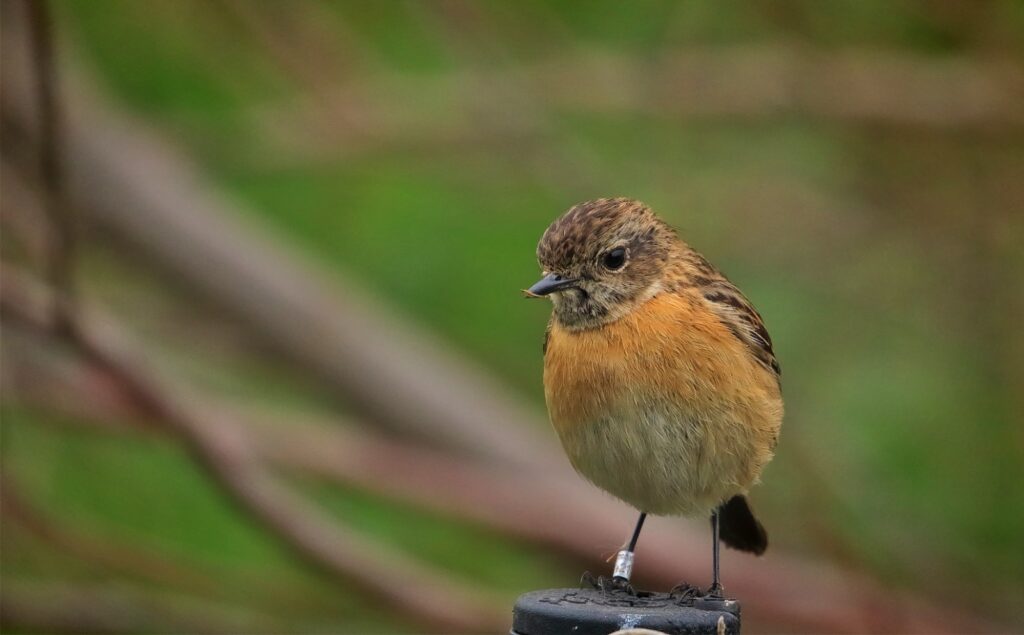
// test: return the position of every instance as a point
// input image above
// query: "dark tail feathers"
(739, 529)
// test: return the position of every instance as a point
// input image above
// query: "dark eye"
(614, 259)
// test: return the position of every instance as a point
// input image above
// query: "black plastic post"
(596, 612)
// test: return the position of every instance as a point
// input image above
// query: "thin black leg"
(716, 584)
(636, 531)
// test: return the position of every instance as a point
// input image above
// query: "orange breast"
(670, 346)
(665, 408)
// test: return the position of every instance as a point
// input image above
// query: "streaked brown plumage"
(659, 375)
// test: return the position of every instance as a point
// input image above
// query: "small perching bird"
(659, 376)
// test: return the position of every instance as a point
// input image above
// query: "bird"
(659, 375)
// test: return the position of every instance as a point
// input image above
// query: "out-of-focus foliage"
(411, 144)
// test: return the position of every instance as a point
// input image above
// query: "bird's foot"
(684, 591)
(608, 585)
(711, 600)
(715, 592)
(588, 580)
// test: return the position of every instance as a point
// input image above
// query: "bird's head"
(602, 259)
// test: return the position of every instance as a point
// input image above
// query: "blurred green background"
(423, 147)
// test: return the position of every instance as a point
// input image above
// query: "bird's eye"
(614, 259)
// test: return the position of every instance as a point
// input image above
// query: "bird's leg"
(689, 593)
(716, 583)
(714, 599)
(685, 592)
(623, 565)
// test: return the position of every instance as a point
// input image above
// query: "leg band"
(623, 565)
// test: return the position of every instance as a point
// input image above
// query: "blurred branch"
(222, 448)
(145, 564)
(781, 590)
(60, 264)
(853, 87)
(318, 63)
(767, 81)
(65, 608)
(21, 215)
(129, 182)
(139, 562)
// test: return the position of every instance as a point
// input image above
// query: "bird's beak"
(549, 284)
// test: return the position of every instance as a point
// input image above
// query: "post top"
(595, 612)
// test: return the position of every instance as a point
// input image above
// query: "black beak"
(549, 284)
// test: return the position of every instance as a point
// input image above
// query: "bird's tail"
(739, 529)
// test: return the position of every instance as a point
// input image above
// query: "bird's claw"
(715, 592)
(608, 585)
(684, 591)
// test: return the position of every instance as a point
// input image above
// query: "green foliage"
(901, 451)
(147, 494)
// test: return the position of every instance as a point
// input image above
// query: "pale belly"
(673, 420)
(664, 460)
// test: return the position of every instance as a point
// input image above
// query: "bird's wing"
(734, 310)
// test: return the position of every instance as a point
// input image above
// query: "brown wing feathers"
(733, 309)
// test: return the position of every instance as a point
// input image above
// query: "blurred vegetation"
(885, 258)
